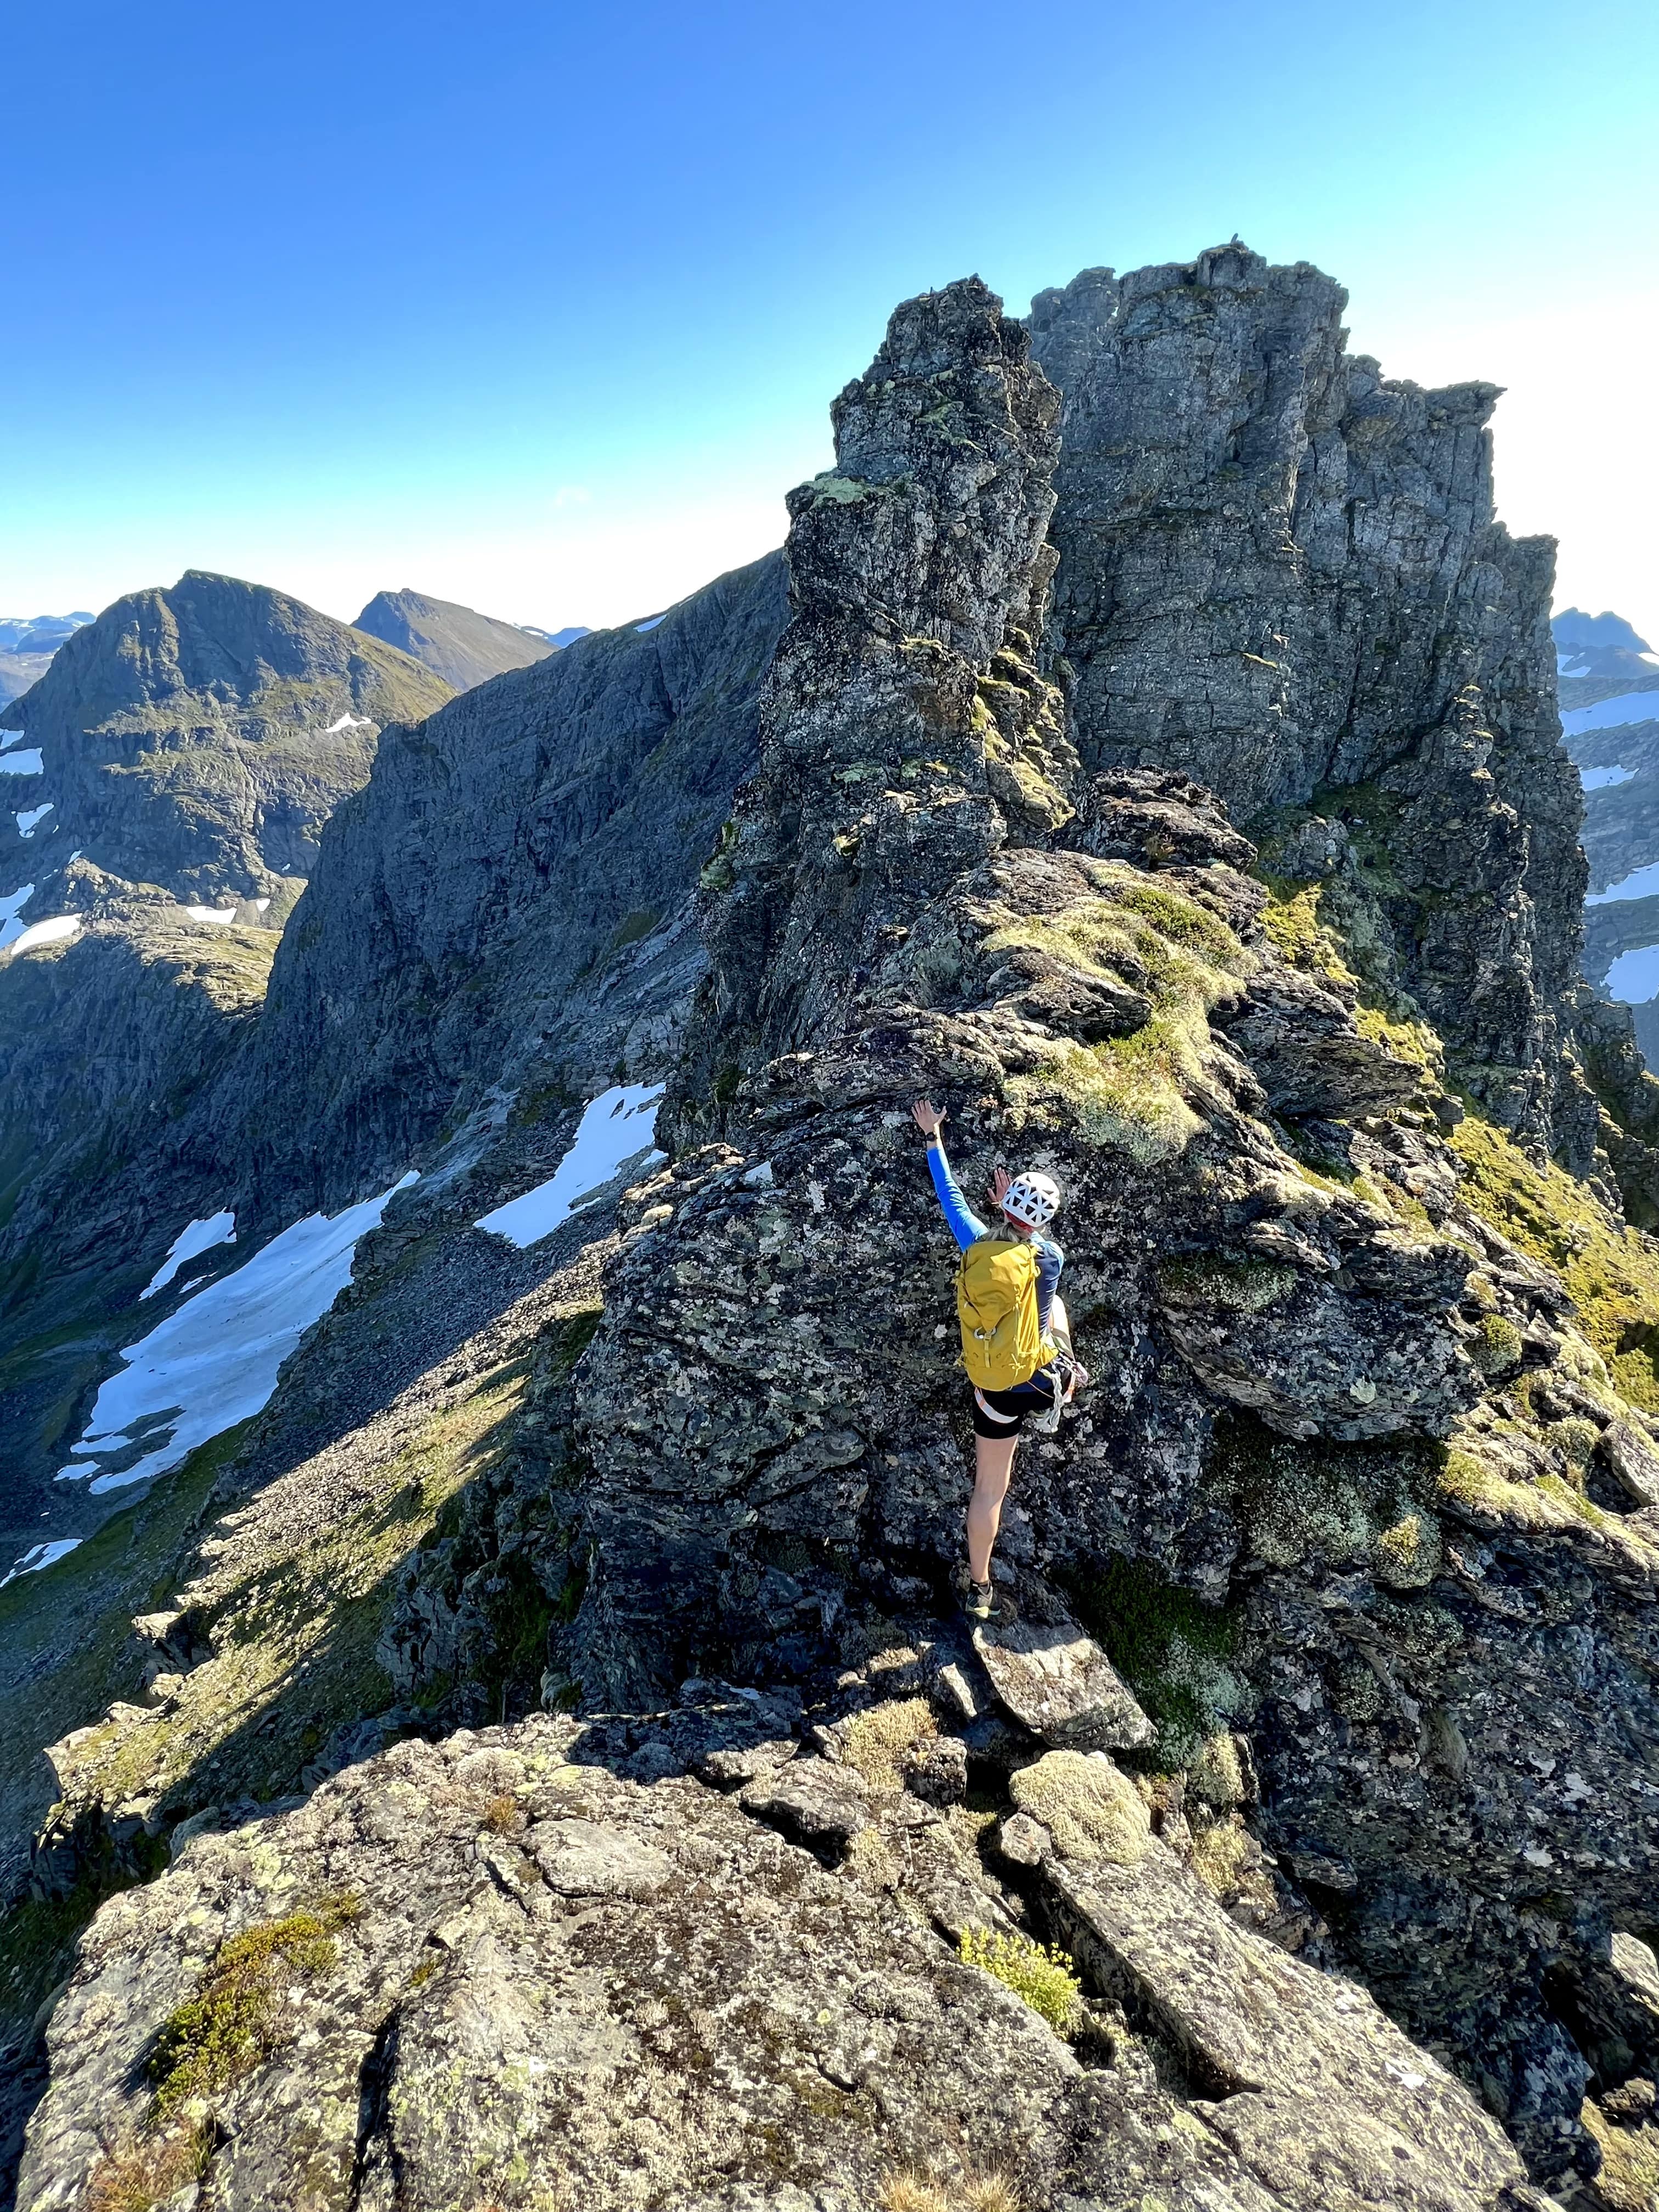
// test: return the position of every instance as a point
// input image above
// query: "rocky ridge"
(1344, 1570)
(1297, 1302)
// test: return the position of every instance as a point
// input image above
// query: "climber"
(1014, 1327)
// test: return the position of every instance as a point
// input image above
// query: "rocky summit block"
(485, 1973)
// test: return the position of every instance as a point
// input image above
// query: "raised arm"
(962, 1225)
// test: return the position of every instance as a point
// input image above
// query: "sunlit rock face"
(1280, 573)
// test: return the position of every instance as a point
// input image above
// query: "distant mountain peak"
(458, 643)
(1575, 627)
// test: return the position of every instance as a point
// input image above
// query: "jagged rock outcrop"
(1283, 1274)
(463, 647)
(1279, 573)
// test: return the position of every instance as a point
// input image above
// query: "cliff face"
(500, 920)
(1279, 573)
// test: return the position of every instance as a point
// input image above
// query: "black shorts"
(1012, 1406)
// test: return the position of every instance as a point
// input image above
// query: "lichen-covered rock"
(493, 1972)
(1058, 1682)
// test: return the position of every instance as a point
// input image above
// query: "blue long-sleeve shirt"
(965, 1225)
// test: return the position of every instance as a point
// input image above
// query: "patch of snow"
(1641, 883)
(348, 722)
(1604, 779)
(9, 739)
(212, 913)
(28, 762)
(642, 627)
(261, 905)
(214, 1361)
(199, 1237)
(1634, 976)
(40, 1556)
(11, 928)
(1612, 713)
(616, 1126)
(31, 818)
(45, 932)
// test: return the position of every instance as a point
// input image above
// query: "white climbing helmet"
(1032, 1199)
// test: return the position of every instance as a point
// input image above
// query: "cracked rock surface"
(552, 1985)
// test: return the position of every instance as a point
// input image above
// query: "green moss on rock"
(1611, 1272)
(229, 2028)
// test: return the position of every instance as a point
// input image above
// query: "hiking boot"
(981, 1602)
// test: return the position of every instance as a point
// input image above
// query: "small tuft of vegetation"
(1173, 1650)
(1095, 1814)
(1496, 1349)
(875, 1741)
(229, 2028)
(870, 1861)
(1040, 1974)
(1250, 1286)
(501, 1815)
(1128, 1093)
(149, 2171)
(986, 2189)
(1371, 1503)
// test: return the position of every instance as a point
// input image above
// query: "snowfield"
(1613, 713)
(38, 1556)
(617, 1127)
(52, 931)
(199, 1237)
(213, 1362)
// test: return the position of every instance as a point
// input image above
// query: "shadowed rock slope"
(463, 647)
(500, 926)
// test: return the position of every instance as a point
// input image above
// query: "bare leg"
(993, 1463)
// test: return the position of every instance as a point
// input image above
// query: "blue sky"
(542, 308)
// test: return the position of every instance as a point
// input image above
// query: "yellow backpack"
(996, 1304)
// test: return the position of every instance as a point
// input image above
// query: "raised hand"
(927, 1116)
(999, 1187)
